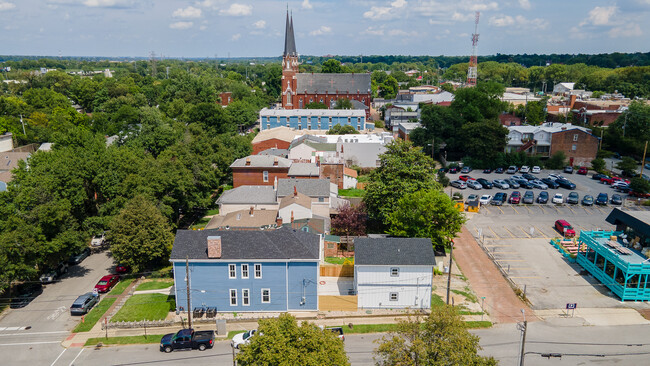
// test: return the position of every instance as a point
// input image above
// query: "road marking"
(60, 354)
(528, 208)
(571, 209)
(541, 232)
(513, 207)
(556, 209)
(506, 229)
(500, 209)
(495, 234)
(32, 333)
(75, 359)
(29, 343)
(599, 209)
(60, 310)
(544, 211)
(522, 229)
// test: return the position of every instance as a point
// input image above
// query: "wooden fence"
(333, 270)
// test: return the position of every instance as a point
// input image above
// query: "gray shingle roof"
(304, 170)
(249, 194)
(343, 83)
(261, 161)
(308, 187)
(283, 153)
(393, 251)
(247, 244)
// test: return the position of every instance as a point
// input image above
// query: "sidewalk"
(485, 279)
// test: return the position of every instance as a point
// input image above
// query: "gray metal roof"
(261, 161)
(304, 170)
(393, 251)
(283, 153)
(282, 243)
(638, 220)
(249, 195)
(289, 39)
(333, 83)
(308, 187)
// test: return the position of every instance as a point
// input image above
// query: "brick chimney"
(278, 221)
(248, 161)
(251, 210)
(214, 247)
(275, 161)
(292, 217)
(295, 191)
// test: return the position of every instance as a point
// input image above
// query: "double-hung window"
(233, 297)
(245, 299)
(258, 270)
(394, 272)
(232, 271)
(244, 271)
(266, 295)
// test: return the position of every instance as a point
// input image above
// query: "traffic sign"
(571, 306)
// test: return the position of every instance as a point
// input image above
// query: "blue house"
(247, 271)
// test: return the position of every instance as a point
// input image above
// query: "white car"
(474, 184)
(242, 338)
(518, 177)
(620, 183)
(459, 184)
(485, 199)
(98, 240)
(536, 170)
(558, 198)
(524, 169)
(555, 176)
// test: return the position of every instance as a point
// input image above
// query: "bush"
(640, 185)
(598, 164)
(442, 178)
(556, 161)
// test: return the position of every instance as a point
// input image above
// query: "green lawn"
(94, 315)
(336, 260)
(478, 324)
(369, 328)
(352, 192)
(200, 224)
(212, 212)
(153, 338)
(232, 333)
(155, 285)
(436, 301)
(121, 286)
(145, 307)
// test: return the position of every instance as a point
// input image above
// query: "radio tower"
(472, 71)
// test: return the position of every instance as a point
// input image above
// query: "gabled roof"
(394, 251)
(244, 219)
(304, 170)
(278, 244)
(283, 153)
(261, 161)
(309, 187)
(299, 199)
(333, 83)
(249, 195)
(9, 159)
(281, 133)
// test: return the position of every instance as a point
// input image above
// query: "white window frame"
(232, 271)
(244, 273)
(394, 272)
(574, 147)
(262, 298)
(245, 297)
(231, 292)
(265, 175)
(575, 137)
(255, 266)
(395, 295)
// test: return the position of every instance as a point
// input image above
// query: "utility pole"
(451, 252)
(600, 143)
(523, 329)
(187, 280)
(23, 123)
(645, 149)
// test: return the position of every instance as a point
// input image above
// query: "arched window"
(289, 98)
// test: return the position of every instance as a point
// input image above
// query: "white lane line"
(27, 344)
(33, 333)
(13, 328)
(60, 354)
(75, 359)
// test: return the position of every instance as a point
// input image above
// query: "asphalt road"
(46, 321)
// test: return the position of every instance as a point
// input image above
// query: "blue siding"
(311, 121)
(210, 286)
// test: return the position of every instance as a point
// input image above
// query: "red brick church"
(298, 89)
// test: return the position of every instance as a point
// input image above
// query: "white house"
(562, 88)
(295, 207)
(393, 273)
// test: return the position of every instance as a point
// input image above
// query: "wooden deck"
(337, 303)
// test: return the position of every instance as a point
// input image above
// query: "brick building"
(259, 170)
(226, 98)
(579, 146)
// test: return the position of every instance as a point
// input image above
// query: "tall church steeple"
(290, 65)
(289, 39)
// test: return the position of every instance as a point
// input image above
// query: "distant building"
(259, 170)
(6, 142)
(563, 88)
(226, 98)
(312, 119)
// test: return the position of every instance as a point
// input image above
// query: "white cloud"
(462, 17)
(398, 3)
(373, 31)
(181, 25)
(306, 5)
(106, 3)
(260, 24)
(6, 6)
(628, 30)
(385, 12)
(320, 31)
(203, 27)
(189, 12)
(518, 22)
(237, 10)
(525, 4)
(501, 21)
(401, 33)
(235, 37)
(600, 15)
(209, 4)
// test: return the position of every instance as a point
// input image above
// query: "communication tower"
(472, 71)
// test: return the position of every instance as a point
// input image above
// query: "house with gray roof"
(319, 190)
(304, 170)
(245, 197)
(259, 170)
(393, 272)
(247, 271)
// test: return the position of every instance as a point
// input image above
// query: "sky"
(255, 28)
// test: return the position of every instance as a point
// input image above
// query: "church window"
(321, 100)
(300, 103)
(311, 100)
(289, 98)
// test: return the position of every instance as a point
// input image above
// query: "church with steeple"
(301, 89)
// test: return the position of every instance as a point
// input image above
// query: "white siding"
(375, 283)
(225, 209)
(301, 152)
(299, 212)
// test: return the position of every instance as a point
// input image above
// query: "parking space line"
(495, 234)
(599, 209)
(500, 209)
(528, 208)
(544, 211)
(522, 229)
(509, 232)
(513, 207)
(541, 232)
(556, 209)
(571, 209)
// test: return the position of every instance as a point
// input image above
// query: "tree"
(389, 88)
(627, 164)
(484, 140)
(350, 221)
(283, 342)
(316, 105)
(332, 66)
(426, 214)
(140, 236)
(343, 103)
(598, 164)
(342, 130)
(639, 185)
(442, 339)
(403, 169)
(442, 178)
(535, 112)
(556, 161)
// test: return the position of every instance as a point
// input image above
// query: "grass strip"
(368, 328)
(351, 192)
(145, 307)
(121, 286)
(232, 333)
(336, 260)
(436, 301)
(155, 285)
(473, 324)
(94, 315)
(141, 339)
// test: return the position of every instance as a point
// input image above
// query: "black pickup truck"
(187, 339)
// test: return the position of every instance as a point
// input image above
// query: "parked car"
(485, 199)
(242, 338)
(24, 293)
(515, 198)
(459, 184)
(122, 269)
(471, 197)
(500, 183)
(612, 180)
(568, 169)
(623, 189)
(516, 177)
(599, 176)
(107, 282)
(524, 183)
(524, 169)
(499, 199)
(187, 339)
(588, 200)
(529, 198)
(602, 199)
(512, 169)
(528, 176)
(485, 183)
(512, 183)
(84, 303)
(565, 183)
(76, 259)
(474, 184)
(558, 198)
(499, 170)
(582, 170)
(616, 199)
(338, 331)
(573, 198)
(465, 178)
(543, 197)
(550, 183)
(53, 274)
(555, 176)
(487, 171)
(538, 184)
(453, 170)
(536, 170)
(639, 194)
(564, 228)
(620, 183)
(465, 170)
(98, 240)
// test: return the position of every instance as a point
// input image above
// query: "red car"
(612, 180)
(107, 282)
(465, 178)
(582, 170)
(515, 198)
(121, 268)
(565, 228)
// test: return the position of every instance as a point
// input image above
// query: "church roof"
(289, 39)
(310, 83)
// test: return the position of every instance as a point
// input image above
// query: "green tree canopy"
(627, 164)
(598, 164)
(342, 130)
(343, 103)
(332, 66)
(316, 105)
(639, 185)
(556, 161)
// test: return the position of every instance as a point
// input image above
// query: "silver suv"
(84, 303)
